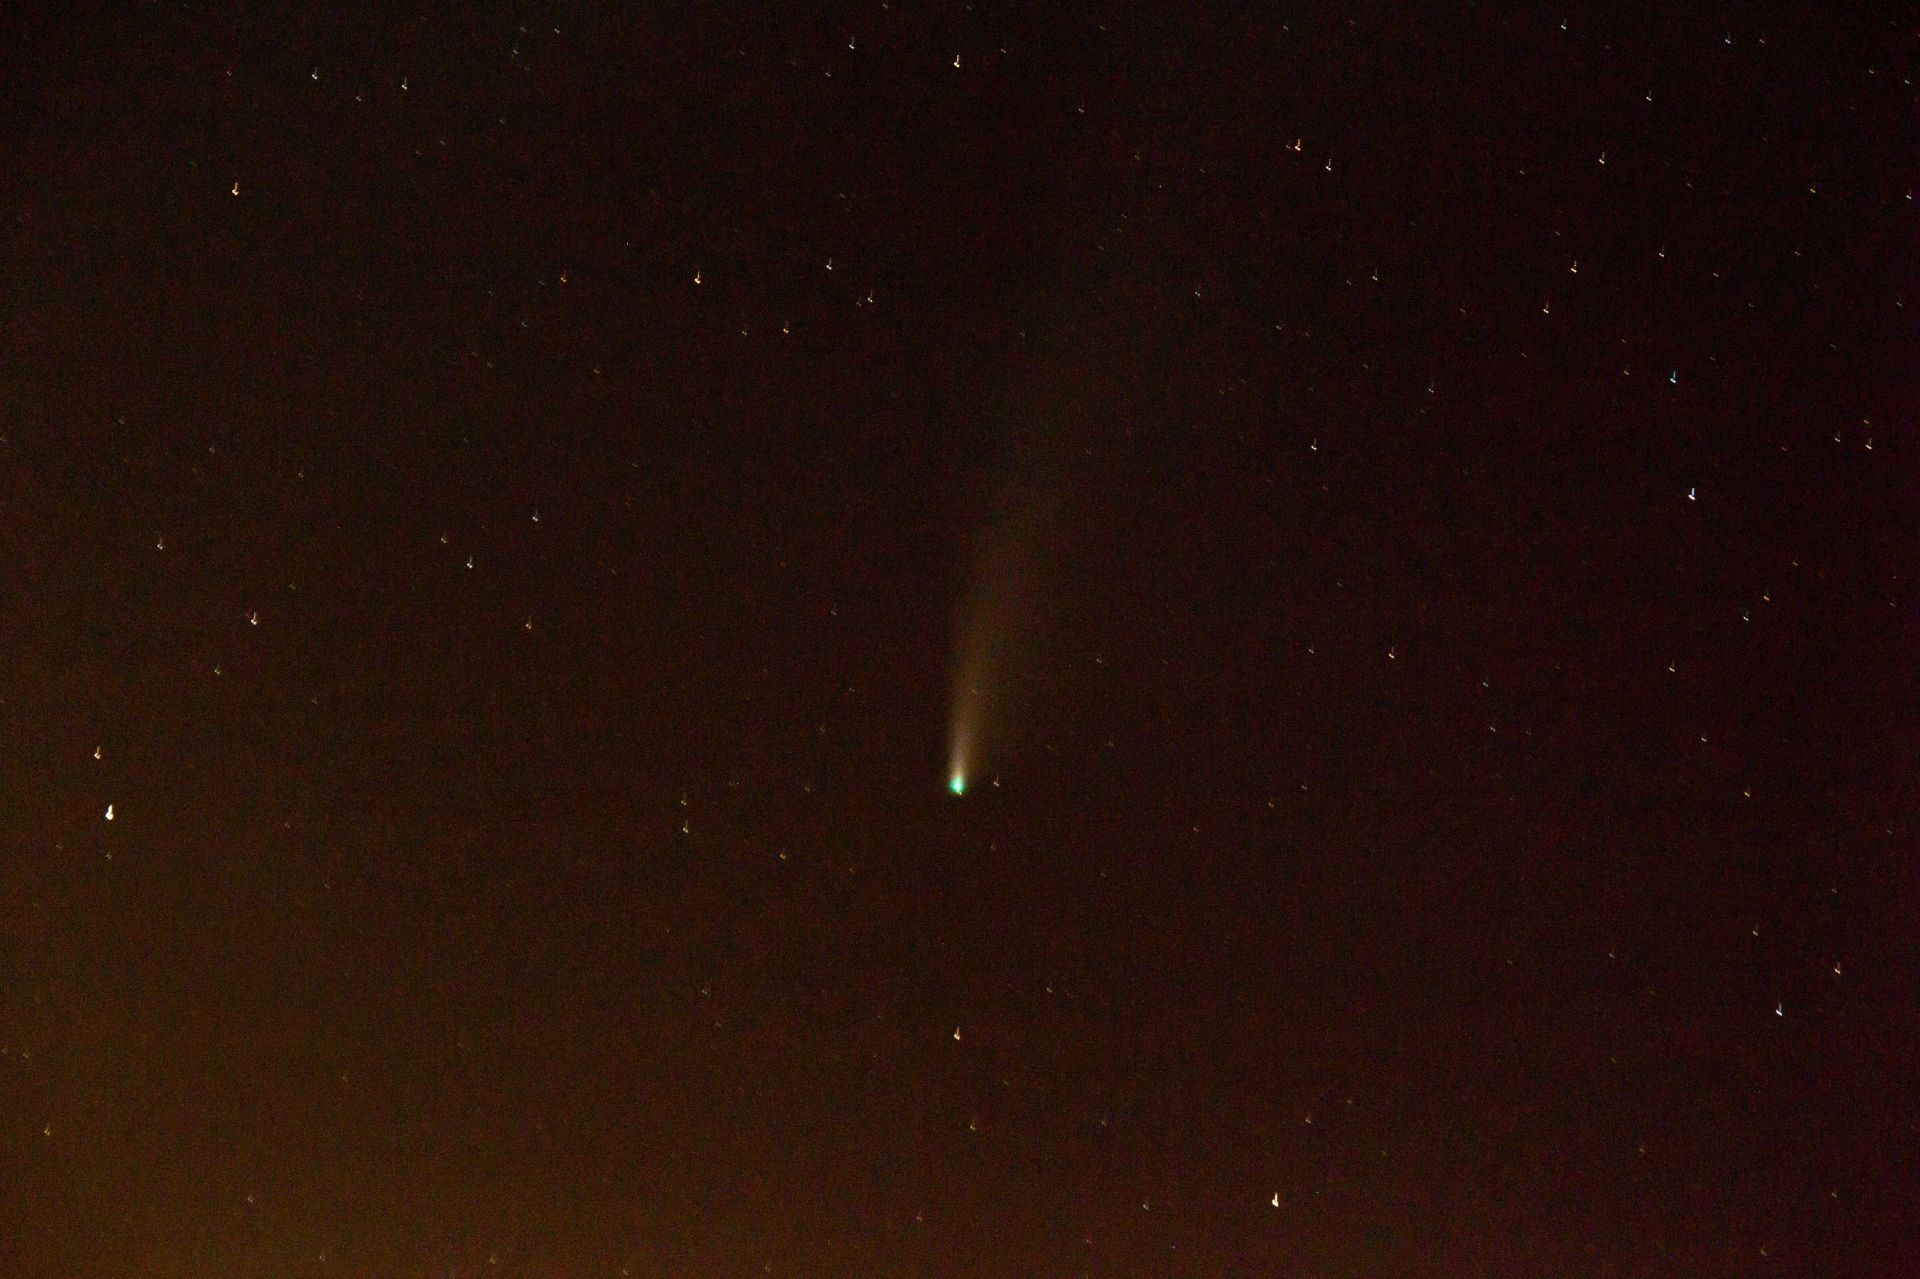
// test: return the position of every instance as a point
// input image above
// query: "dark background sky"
(1455, 805)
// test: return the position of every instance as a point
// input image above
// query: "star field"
(957, 640)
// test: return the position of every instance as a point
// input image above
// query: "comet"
(1004, 597)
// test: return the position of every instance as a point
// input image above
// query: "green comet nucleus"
(957, 784)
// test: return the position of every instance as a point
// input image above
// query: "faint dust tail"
(1005, 600)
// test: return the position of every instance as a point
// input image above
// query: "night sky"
(516, 520)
